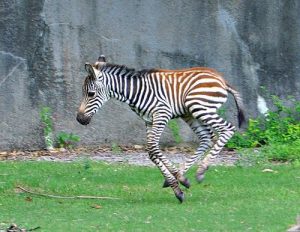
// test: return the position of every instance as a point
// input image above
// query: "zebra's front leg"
(169, 165)
(167, 175)
(168, 170)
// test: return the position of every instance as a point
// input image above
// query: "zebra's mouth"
(83, 120)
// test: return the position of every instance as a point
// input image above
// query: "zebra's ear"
(102, 59)
(101, 62)
(90, 70)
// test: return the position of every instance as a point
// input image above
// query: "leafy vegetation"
(277, 132)
(115, 148)
(230, 199)
(63, 139)
(46, 118)
(175, 129)
(66, 140)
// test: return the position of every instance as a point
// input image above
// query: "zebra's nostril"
(82, 119)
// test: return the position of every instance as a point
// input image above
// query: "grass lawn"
(230, 198)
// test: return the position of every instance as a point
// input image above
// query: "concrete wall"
(44, 45)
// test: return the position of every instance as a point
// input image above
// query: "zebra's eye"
(91, 93)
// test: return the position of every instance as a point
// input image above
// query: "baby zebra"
(158, 95)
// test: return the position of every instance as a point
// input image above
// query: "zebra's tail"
(239, 104)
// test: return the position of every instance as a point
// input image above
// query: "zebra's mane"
(124, 69)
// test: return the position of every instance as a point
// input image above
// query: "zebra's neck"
(123, 82)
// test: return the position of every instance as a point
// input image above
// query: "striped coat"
(157, 96)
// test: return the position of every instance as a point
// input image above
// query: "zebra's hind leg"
(168, 170)
(204, 134)
(225, 131)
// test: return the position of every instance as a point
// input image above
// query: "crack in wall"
(12, 55)
(21, 61)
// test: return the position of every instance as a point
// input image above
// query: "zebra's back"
(186, 87)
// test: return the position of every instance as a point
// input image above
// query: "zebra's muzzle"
(83, 119)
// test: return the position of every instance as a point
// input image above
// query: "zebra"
(157, 96)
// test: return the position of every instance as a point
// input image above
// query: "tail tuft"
(241, 117)
(239, 103)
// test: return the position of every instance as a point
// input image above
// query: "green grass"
(230, 198)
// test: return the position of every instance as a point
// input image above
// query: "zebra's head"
(94, 90)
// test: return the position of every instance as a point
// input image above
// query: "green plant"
(279, 125)
(63, 139)
(115, 148)
(175, 129)
(46, 118)
(282, 151)
(66, 140)
(87, 164)
(252, 137)
(277, 133)
(222, 112)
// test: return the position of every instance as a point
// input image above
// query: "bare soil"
(135, 155)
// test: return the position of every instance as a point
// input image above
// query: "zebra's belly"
(142, 115)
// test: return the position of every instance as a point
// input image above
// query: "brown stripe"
(208, 85)
(212, 94)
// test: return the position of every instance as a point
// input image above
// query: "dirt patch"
(135, 155)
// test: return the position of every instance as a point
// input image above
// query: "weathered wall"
(44, 45)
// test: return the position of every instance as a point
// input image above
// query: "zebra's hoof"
(166, 184)
(185, 182)
(200, 177)
(180, 196)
